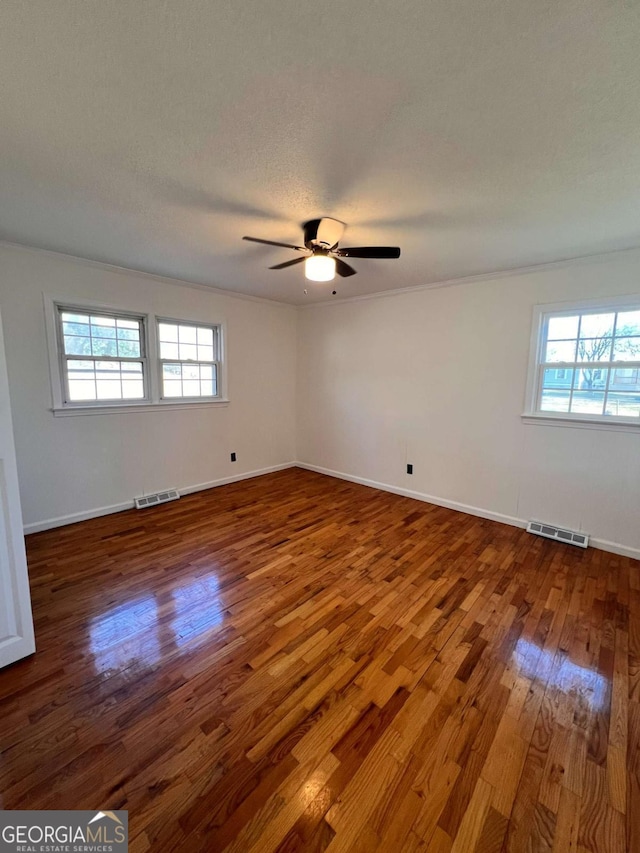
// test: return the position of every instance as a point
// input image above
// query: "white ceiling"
(478, 135)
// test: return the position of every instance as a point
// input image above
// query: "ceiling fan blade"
(344, 269)
(288, 264)
(272, 243)
(369, 252)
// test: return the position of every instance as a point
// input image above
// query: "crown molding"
(563, 263)
(114, 268)
(599, 257)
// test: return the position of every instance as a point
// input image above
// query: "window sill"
(131, 408)
(579, 423)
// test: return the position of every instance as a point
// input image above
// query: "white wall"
(437, 377)
(74, 466)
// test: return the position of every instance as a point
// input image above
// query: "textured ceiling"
(478, 135)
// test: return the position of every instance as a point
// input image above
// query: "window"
(588, 364)
(189, 359)
(102, 357)
(105, 360)
(624, 376)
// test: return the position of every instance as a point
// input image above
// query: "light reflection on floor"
(140, 632)
(585, 683)
(126, 634)
(198, 609)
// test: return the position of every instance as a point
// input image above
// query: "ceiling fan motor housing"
(323, 233)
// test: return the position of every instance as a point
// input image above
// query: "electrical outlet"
(233, 457)
(409, 469)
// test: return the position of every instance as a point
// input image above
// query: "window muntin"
(589, 365)
(102, 357)
(189, 359)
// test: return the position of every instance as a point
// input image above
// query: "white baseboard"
(601, 544)
(224, 481)
(61, 521)
(615, 548)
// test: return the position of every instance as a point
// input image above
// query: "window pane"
(133, 389)
(205, 337)
(560, 351)
(128, 349)
(628, 323)
(109, 389)
(626, 349)
(104, 346)
(121, 323)
(562, 328)
(172, 388)
(191, 371)
(191, 387)
(80, 369)
(168, 350)
(128, 334)
(168, 332)
(594, 349)
(108, 374)
(623, 405)
(77, 346)
(591, 379)
(556, 390)
(588, 402)
(172, 371)
(76, 329)
(67, 316)
(187, 334)
(554, 401)
(81, 389)
(597, 325)
(103, 329)
(188, 352)
(625, 379)
(205, 353)
(206, 371)
(558, 378)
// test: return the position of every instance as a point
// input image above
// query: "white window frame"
(64, 357)
(153, 400)
(541, 314)
(218, 351)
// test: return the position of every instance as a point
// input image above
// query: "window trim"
(541, 313)
(153, 402)
(219, 350)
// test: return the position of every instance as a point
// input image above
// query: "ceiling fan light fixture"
(321, 255)
(320, 268)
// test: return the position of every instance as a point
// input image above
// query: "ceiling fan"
(322, 257)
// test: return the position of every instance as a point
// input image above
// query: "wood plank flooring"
(296, 663)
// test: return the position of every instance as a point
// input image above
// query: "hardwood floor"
(296, 663)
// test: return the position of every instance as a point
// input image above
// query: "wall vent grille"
(558, 533)
(157, 498)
